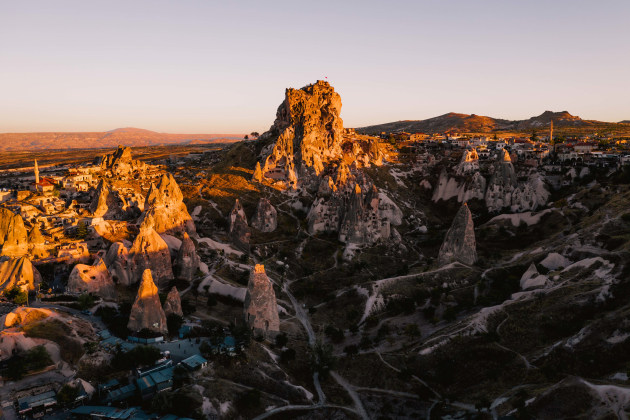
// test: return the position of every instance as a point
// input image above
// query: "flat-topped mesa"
(147, 312)
(173, 303)
(165, 208)
(459, 243)
(18, 272)
(239, 232)
(13, 235)
(187, 261)
(95, 279)
(265, 218)
(120, 162)
(150, 251)
(261, 309)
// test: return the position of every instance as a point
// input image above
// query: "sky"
(203, 66)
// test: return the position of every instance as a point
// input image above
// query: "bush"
(86, 301)
(67, 394)
(138, 356)
(281, 340)
(287, 355)
(16, 295)
(174, 323)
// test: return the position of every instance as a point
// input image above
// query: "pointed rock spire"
(173, 303)
(187, 261)
(261, 309)
(147, 312)
(459, 243)
(266, 217)
(258, 176)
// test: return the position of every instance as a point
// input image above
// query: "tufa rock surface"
(147, 311)
(164, 208)
(18, 272)
(37, 243)
(239, 229)
(95, 279)
(120, 265)
(13, 235)
(187, 261)
(459, 243)
(150, 252)
(121, 163)
(265, 218)
(261, 309)
(173, 303)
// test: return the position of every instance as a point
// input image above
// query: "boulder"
(95, 279)
(459, 243)
(147, 312)
(173, 303)
(18, 272)
(13, 235)
(261, 309)
(265, 218)
(532, 279)
(187, 261)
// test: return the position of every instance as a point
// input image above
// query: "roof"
(37, 400)
(155, 379)
(106, 412)
(121, 393)
(194, 361)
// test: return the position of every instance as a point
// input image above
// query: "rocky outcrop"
(265, 218)
(261, 309)
(187, 261)
(37, 243)
(150, 252)
(95, 279)
(238, 228)
(107, 203)
(121, 162)
(469, 163)
(362, 223)
(18, 272)
(173, 303)
(147, 312)
(532, 279)
(459, 243)
(502, 184)
(13, 235)
(164, 208)
(120, 264)
(258, 176)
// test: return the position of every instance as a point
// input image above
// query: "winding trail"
(360, 410)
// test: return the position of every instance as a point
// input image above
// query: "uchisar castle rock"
(317, 272)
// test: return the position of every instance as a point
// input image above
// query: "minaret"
(36, 173)
(551, 132)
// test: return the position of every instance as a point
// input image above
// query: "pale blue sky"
(222, 67)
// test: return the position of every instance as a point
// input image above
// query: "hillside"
(482, 124)
(134, 137)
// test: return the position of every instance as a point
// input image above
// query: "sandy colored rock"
(150, 251)
(459, 243)
(95, 279)
(265, 218)
(37, 243)
(173, 303)
(13, 235)
(147, 311)
(187, 262)
(18, 272)
(121, 162)
(258, 176)
(261, 309)
(239, 232)
(164, 208)
(119, 264)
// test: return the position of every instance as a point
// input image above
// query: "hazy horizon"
(217, 67)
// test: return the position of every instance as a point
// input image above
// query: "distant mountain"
(624, 122)
(478, 124)
(127, 136)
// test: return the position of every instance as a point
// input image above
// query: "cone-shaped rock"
(119, 263)
(13, 235)
(95, 279)
(173, 303)
(459, 243)
(257, 173)
(18, 272)
(261, 309)
(187, 261)
(150, 251)
(147, 311)
(37, 243)
(165, 209)
(239, 229)
(266, 217)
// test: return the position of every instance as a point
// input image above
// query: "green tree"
(82, 230)
(534, 136)
(322, 358)
(85, 301)
(16, 295)
(174, 323)
(67, 394)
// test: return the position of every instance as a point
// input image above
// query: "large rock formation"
(173, 303)
(261, 309)
(107, 203)
(120, 264)
(18, 272)
(147, 312)
(239, 229)
(95, 279)
(362, 223)
(309, 134)
(150, 251)
(187, 261)
(502, 184)
(265, 218)
(459, 243)
(13, 235)
(165, 209)
(37, 243)
(121, 163)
